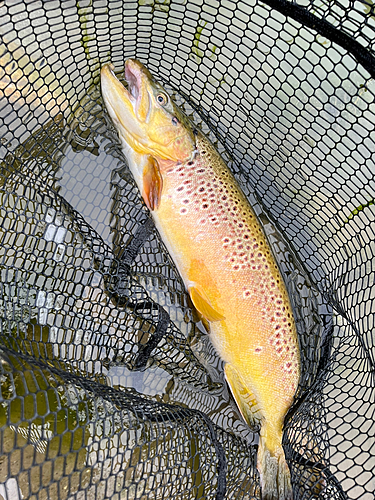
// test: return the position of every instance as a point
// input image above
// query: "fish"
(222, 254)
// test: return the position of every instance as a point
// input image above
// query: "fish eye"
(162, 99)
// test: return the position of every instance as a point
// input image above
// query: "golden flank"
(221, 253)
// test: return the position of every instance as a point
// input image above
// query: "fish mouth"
(111, 87)
(133, 79)
(133, 76)
(120, 101)
(139, 79)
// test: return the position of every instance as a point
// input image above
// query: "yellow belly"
(220, 250)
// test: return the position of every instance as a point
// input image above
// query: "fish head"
(147, 119)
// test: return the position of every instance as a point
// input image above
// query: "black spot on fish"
(175, 121)
(195, 131)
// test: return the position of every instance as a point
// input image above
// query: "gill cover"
(147, 119)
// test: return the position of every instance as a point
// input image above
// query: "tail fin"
(274, 471)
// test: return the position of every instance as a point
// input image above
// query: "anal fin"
(245, 399)
(203, 306)
(152, 183)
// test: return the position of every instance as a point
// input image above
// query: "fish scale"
(222, 254)
(202, 202)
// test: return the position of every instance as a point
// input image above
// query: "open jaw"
(113, 90)
(133, 79)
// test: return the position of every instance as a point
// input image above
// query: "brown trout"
(222, 254)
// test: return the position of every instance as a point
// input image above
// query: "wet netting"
(110, 387)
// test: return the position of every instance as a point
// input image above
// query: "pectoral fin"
(245, 399)
(203, 306)
(152, 183)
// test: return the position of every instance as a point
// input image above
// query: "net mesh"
(110, 387)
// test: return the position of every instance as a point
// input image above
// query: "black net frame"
(109, 385)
